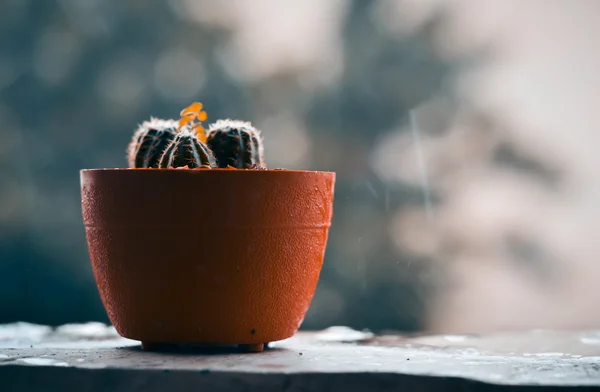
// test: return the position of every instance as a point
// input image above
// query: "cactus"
(236, 144)
(179, 144)
(149, 142)
(186, 150)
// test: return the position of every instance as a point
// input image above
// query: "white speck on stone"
(4, 356)
(343, 334)
(42, 362)
(590, 339)
(24, 330)
(91, 330)
(589, 359)
(455, 338)
(80, 359)
(72, 336)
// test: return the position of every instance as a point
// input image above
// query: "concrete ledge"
(92, 357)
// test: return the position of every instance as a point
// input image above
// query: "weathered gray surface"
(92, 357)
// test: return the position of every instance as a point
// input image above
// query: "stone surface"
(92, 357)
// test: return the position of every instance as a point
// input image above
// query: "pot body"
(206, 256)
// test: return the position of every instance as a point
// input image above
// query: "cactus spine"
(186, 150)
(149, 142)
(236, 144)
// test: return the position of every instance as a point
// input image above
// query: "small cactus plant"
(184, 143)
(149, 142)
(236, 144)
(186, 150)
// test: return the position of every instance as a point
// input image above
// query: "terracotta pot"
(206, 256)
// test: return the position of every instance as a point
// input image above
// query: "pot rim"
(204, 170)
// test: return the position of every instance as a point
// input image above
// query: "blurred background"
(464, 135)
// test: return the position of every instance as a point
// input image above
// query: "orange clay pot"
(206, 256)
